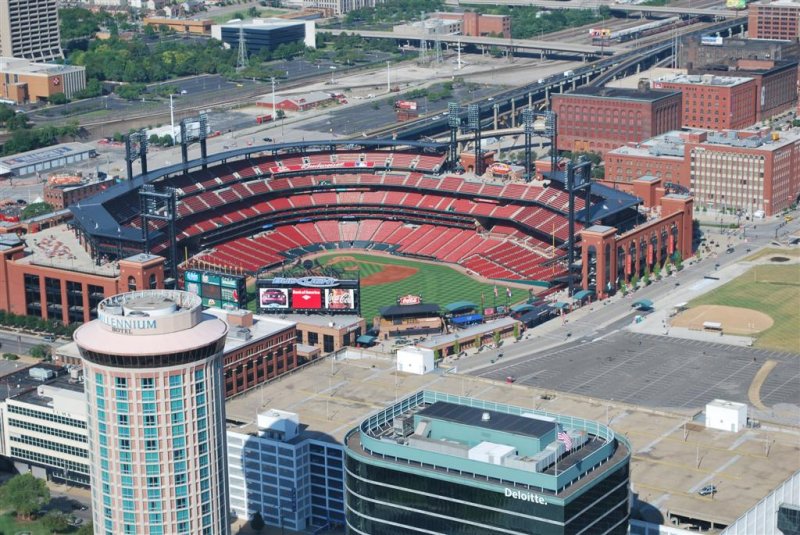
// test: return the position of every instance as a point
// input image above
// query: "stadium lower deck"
(260, 212)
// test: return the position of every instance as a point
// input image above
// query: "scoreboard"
(217, 289)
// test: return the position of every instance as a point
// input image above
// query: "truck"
(405, 105)
(261, 119)
(569, 73)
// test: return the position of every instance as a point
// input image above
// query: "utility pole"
(388, 77)
(241, 61)
(272, 80)
(172, 118)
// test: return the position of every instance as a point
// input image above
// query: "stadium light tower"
(136, 149)
(474, 125)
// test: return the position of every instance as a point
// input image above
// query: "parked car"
(49, 338)
(708, 490)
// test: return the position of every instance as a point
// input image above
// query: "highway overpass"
(670, 11)
(546, 47)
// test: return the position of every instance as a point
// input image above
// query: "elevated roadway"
(720, 12)
(546, 47)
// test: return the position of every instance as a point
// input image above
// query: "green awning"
(522, 308)
(460, 305)
(366, 339)
(643, 303)
(583, 294)
(562, 305)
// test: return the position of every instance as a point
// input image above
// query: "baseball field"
(384, 279)
(770, 289)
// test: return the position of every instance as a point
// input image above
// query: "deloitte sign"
(525, 496)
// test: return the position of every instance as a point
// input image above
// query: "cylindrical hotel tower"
(156, 415)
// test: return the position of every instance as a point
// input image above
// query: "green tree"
(496, 338)
(41, 351)
(55, 521)
(86, 529)
(58, 98)
(10, 356)
(154, 139)
(635, 280)
(280, 114)
(25, 494)
(657, 270)
(130, 91)
(166, 140)
(677, 259)
(516, 330)
(456, 346)
(36, 209)
(257, 522)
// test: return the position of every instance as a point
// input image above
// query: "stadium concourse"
(273, 204)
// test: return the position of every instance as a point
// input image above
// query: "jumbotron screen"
(327, 295)
(216, 289)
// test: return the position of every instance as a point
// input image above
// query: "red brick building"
(776, 83)
(62, 195)
(776, 20)
(662, 157)
(50, 276)
(609, 258)
(477, 25)
(601, 119)
(714, 102)
(751, 171)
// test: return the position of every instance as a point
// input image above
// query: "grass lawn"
(771, 289)
(766, 253)
(435, 283)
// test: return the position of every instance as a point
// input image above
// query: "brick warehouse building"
(776, 83)
(775, 20)
(752, 170)
(714, 102)
(600, 119)
(478, 25)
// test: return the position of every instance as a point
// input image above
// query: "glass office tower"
(437, 463)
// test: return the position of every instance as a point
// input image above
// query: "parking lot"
(656, 371)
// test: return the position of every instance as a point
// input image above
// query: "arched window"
(131, 284)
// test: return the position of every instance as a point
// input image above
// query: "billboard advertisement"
(339, 299)
(217, 289)
(325, 295)
(307, 298)
(274, 298)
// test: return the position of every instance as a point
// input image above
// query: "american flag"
(564, 437)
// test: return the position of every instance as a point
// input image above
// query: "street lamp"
(333, 70)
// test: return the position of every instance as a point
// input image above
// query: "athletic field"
(384, 279)
(772, 289)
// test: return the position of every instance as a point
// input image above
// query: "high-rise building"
(775, 20)
(29, 29)
(439, 463)
(156, 419)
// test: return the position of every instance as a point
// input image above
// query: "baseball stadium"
(263, 207)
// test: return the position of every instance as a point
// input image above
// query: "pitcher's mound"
(734, 320)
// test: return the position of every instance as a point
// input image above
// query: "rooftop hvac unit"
(41, 374)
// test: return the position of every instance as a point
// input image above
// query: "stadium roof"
(460, 305)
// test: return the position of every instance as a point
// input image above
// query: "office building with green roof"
(437, 463)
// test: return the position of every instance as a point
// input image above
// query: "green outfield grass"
(771, 289)
(438, 284)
